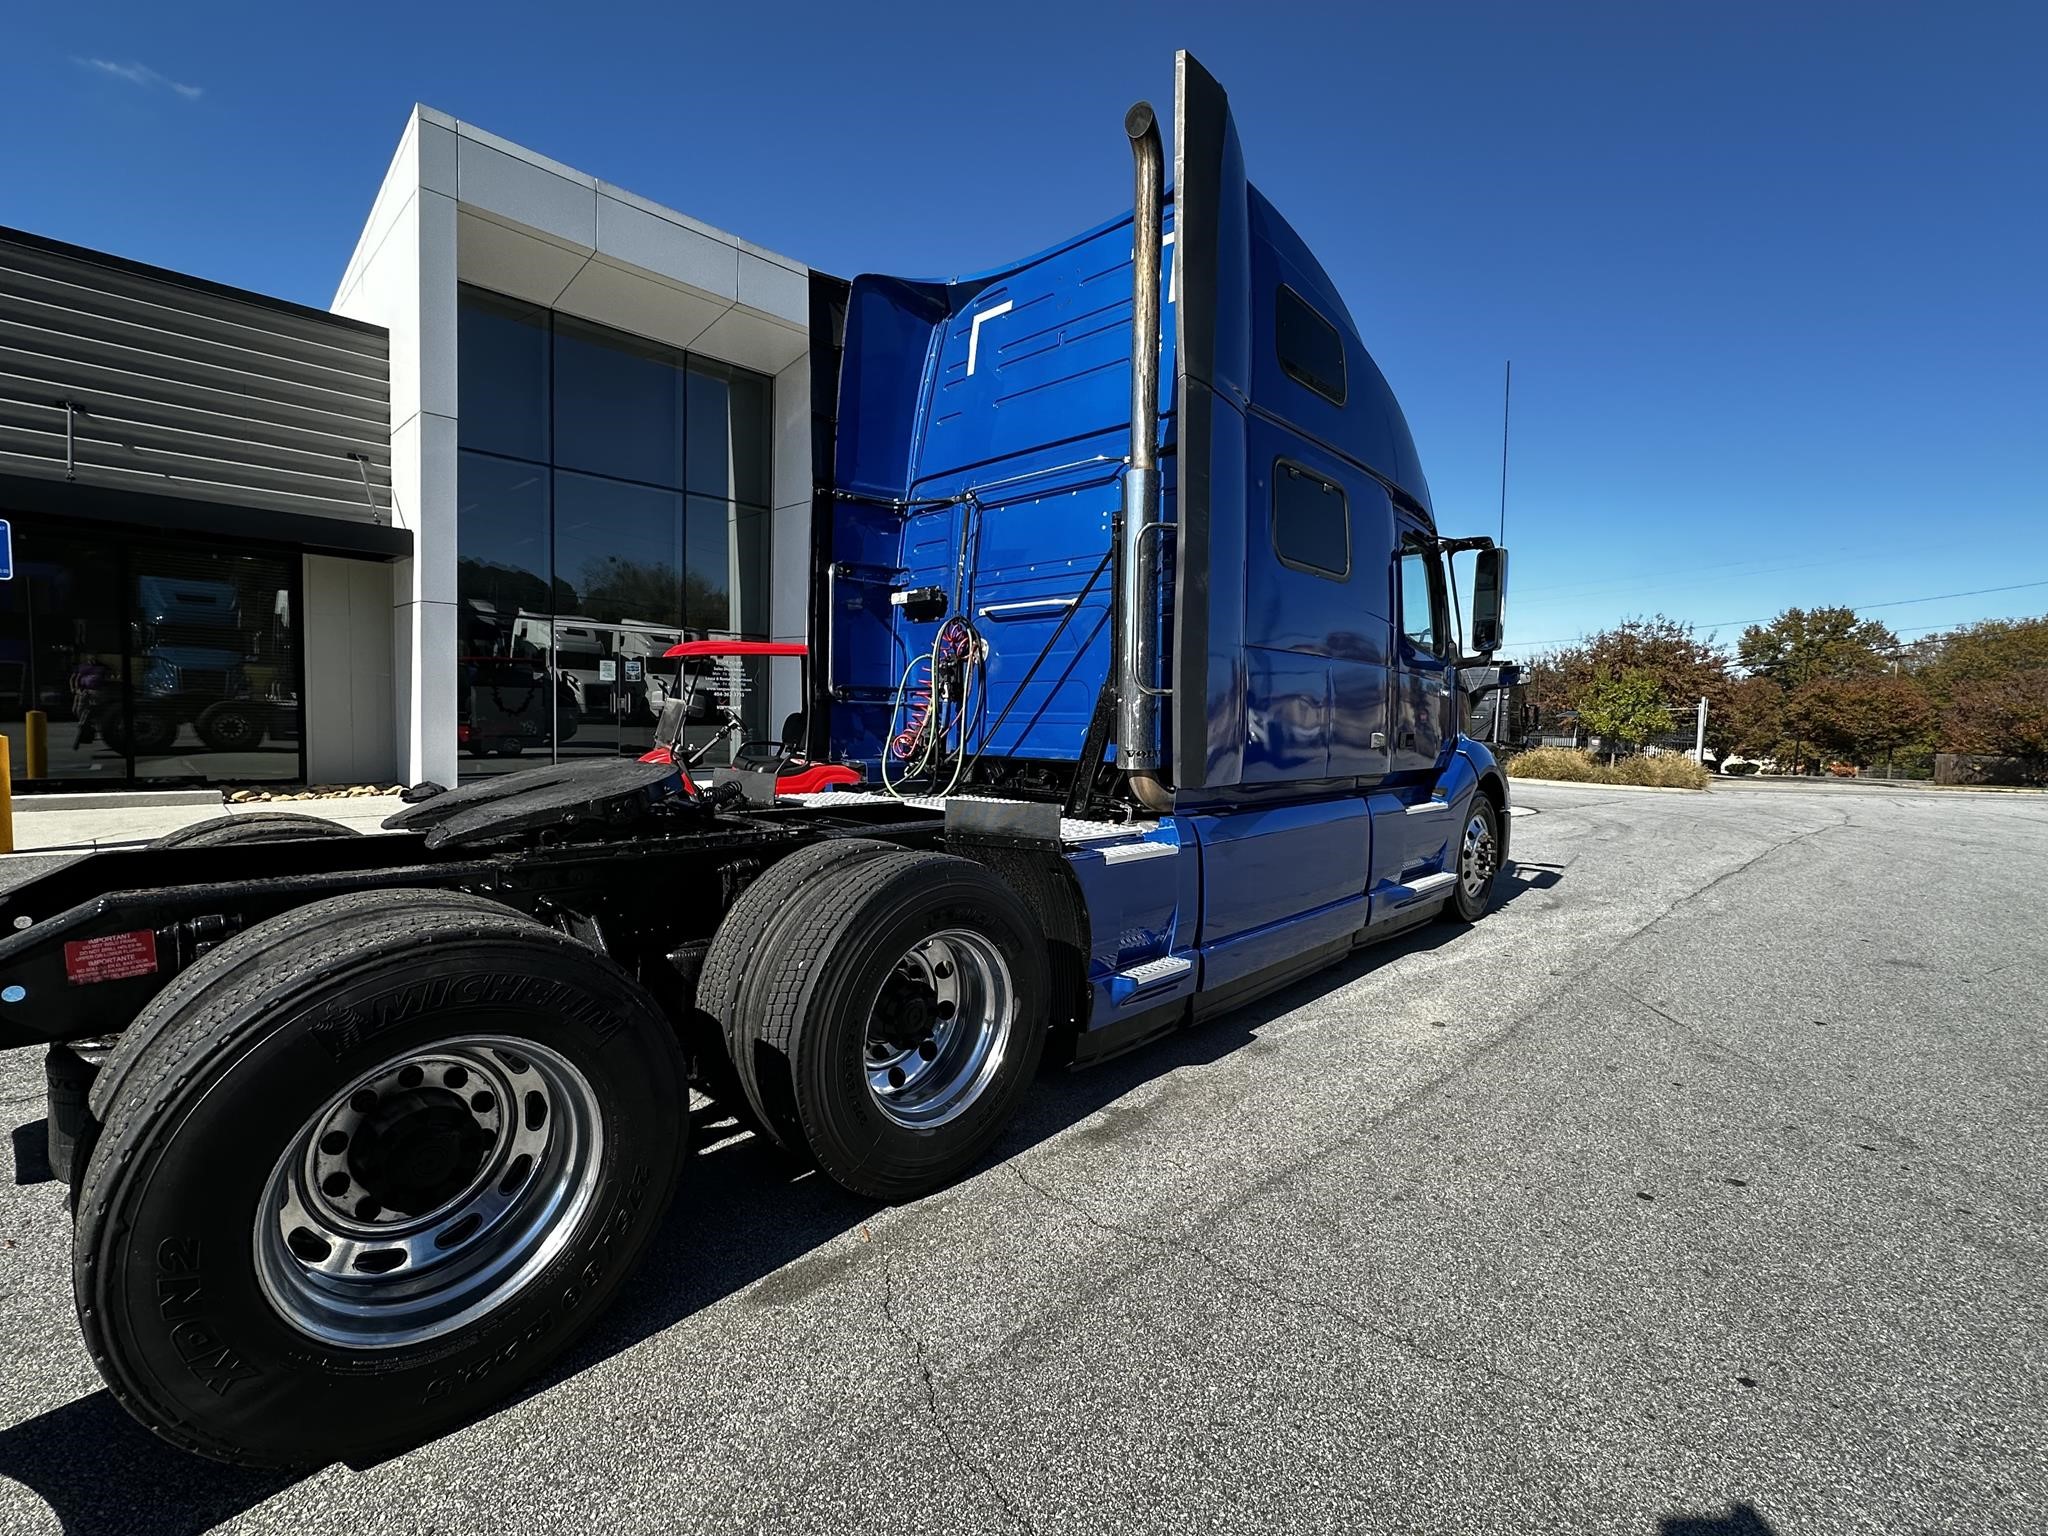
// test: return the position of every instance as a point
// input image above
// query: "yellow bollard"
(36, 728)
(6, 799)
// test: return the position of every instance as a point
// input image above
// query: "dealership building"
(548, 429)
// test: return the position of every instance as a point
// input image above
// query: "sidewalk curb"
(1633, 789)
(114, 800)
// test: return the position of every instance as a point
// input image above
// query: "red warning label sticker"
(113, 958)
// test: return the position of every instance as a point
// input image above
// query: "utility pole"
(1699, 739)
(1888, 745)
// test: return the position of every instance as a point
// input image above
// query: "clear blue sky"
(1772, 276)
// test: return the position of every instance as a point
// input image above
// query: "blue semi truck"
(1134, 672)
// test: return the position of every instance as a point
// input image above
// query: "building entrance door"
(613, 682)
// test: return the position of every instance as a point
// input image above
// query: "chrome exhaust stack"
(1139, 752)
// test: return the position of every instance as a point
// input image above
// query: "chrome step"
(1155, 973)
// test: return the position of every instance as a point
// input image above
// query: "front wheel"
(369, 1175)
(1478, 861)
(233, 725)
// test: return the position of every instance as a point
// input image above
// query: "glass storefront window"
(729, 448)
(152, 661)
(502, 351)
(618, 405)
(580, 557)
(502, 561)
(725, 585)
(618, 550)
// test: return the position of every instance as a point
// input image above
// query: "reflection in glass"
(62, 651)
(618, 551)
(502, 353)
(507, 700)
(578, 567)
(212, 666)
(729, 448)
(501, 534)
(618, 405)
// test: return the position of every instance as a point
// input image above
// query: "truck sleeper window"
(1311, 351)
(1311, 522)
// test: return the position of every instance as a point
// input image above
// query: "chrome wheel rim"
(1476, 863)
(938, 1029)
(428, 1192)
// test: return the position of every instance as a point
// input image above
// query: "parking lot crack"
(1693, 1032)
(1248, 1280)
(920, 1353)
(1735, 871)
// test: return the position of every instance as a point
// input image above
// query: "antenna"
(1507, 395)
(1507, 392)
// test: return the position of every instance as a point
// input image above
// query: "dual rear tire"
(371, 1165)
(884, 1011)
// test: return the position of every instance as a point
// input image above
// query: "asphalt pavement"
(1700, 1190)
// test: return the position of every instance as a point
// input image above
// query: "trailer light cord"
(920, 726)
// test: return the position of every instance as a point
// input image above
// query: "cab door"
(1423, 677)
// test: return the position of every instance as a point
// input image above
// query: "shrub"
(1667, 770)
(1554, 763)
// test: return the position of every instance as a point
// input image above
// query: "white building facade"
(600, 443)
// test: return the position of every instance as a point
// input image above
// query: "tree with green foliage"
(1989, 652)
(1810, 645)
(1624, 707)
(1685, 666)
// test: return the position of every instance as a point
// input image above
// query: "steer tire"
(187, 1285)
(252, 827)
(811, 1000)
(733, 950)
(1472, 894)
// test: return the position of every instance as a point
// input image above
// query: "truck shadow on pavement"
(102, 1474)
(1742, 1519)
(745, 1214)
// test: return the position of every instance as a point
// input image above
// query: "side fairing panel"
(1277, 881)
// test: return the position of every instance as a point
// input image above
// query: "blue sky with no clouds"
(1771, 276)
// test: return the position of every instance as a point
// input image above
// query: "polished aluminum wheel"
(938, 1030)
(428, 1192)
(1476, 863)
